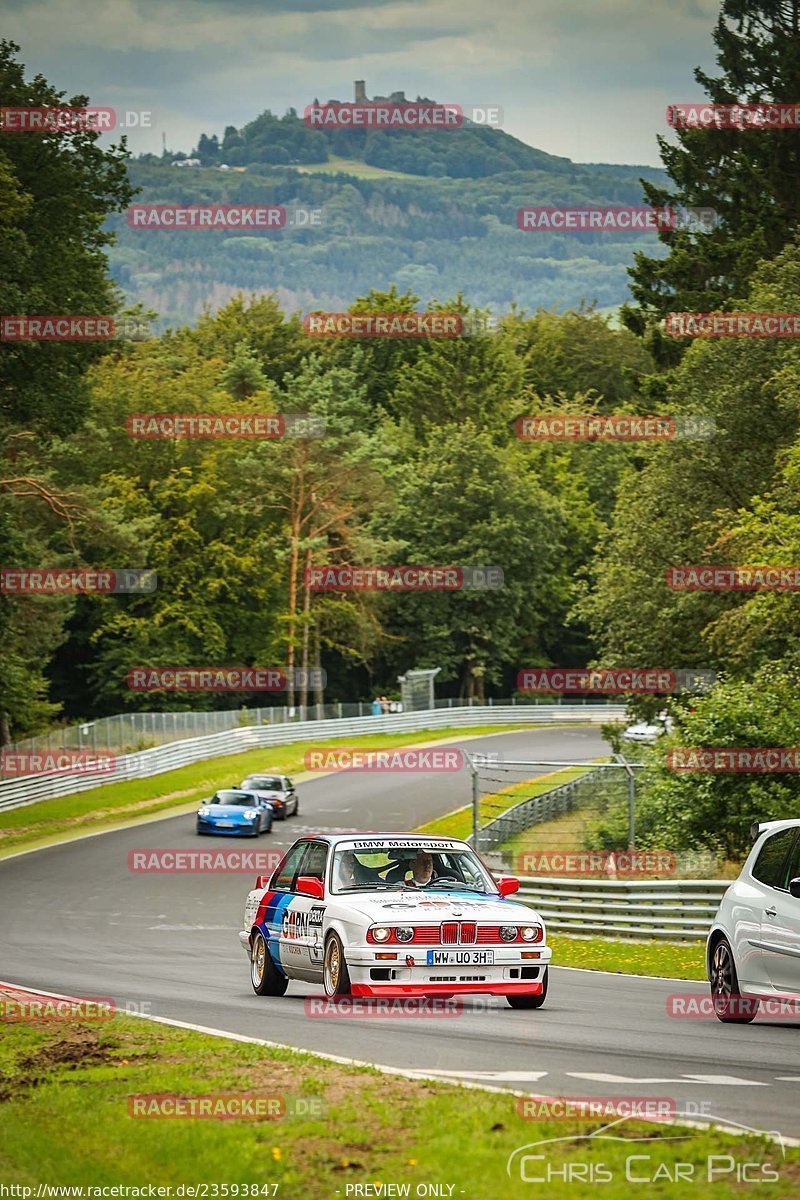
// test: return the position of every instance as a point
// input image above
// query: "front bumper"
(247, 829)
(410, 974)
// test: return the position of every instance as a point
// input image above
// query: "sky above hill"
(589, 79)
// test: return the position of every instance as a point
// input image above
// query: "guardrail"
(30, 789)
(545, 807)
(673, 910)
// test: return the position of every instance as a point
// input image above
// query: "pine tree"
(750, 177)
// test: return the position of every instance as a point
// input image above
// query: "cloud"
(586, 78)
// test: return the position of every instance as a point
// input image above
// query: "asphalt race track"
(75, 920)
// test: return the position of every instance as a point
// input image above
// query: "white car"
(393, 914)
(648, 732)
(278, 790)
(753, 950)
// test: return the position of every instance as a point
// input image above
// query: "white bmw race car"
(393, 915)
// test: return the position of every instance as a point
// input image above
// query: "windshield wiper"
(453, 883)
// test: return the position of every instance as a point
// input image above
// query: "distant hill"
(432, 211)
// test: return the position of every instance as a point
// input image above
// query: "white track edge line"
(406, 1073)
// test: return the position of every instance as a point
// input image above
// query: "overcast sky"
(589, 79)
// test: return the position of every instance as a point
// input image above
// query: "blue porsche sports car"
(235, 811)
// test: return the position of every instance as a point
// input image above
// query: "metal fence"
(33, 788)
(124, 733)
(672, 910)
(534, 810)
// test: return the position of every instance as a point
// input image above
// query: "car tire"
(335, 975)
(265, 977)
(730, 1006)
(520, 1000)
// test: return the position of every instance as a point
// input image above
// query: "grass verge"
(117, 803)
(458, 823)
(66, 1121)
(677, 960)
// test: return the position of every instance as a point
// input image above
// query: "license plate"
(225, 824)
(460, 958)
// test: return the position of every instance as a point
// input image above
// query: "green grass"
(458, 824)
(676, 960)
(65, 1121)
(116, 803)
(354, 166)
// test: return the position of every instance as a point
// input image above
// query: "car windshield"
(264, 782)
(234, 799)
(413, 867)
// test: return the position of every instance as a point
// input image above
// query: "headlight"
(381, 934)
(250, 814)
(508, 933)
(404, 933)
(202, 812)
(531, 933)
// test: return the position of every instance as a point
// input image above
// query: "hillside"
(432, 212)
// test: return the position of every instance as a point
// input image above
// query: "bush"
(713, 811)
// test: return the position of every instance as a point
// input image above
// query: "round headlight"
(250, 814)
(530, 933)
(508, 933)
(404, 933)
(381, 934)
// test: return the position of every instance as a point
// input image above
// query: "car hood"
(228, 811)
(433, 907)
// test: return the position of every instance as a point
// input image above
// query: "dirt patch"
(78, 1046)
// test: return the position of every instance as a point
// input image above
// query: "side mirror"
(507, 884)
(307, 885)
(794, 888)
(262, 881)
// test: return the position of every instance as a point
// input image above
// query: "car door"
(780, 930)
(265, 809)
(281, 897)
(291, 796)
(297, 919)
(312, 911)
